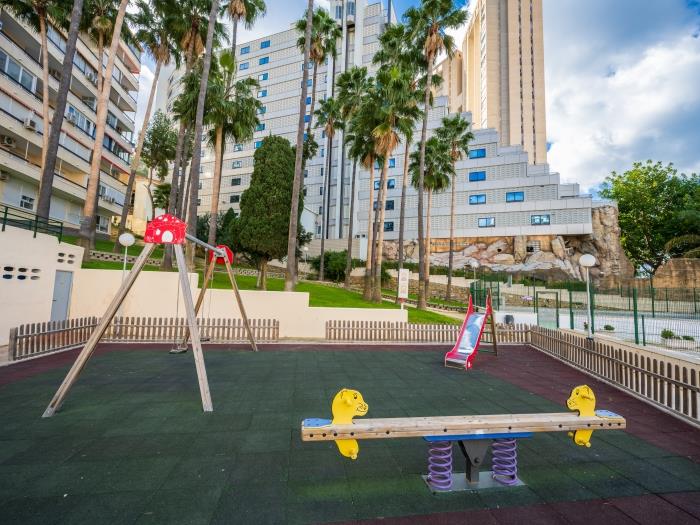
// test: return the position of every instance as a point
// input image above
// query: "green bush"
(609, 328)
(667, 334)
(335, 265)
(688, 338)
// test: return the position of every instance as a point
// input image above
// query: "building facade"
(21, 125)
(276, 63)
(503, 54)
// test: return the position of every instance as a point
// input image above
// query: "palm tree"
(686, 246)
(396, 113)
(101, 26)
(233, 115)
(189, 24)
(246, 11)
(396, 49)
(455, 133)
(153, 32)
(428, 24)
(352, 86)
(330, 118)
(38, 14)
(290, 279)
(54, 133)
(324, 35)
(199, 118)
(438, 170)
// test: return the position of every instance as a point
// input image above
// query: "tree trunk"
(137, 156)
(262, 274)
(325, 199)
(49, 165)
(181, 209)
(367, 292)
(379, 229)
(87, 224)
(421, 186)
(450, 265)
(290, 279)
(187, 181)
(402, 216)
(426, 270)
(198, 119)
(45, 87)
(216, 185)
(234, 36)
(348, 262)
(150, 194)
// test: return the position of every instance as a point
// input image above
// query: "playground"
(131, 443)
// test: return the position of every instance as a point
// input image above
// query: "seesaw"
(474, 434)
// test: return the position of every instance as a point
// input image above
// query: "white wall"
(29, 299)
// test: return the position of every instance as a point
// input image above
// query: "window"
(245, 50)
(233, 199)
(321, 171)
(477, 199)
(539, 220)
(306, 173)
(388, 226)
(477, 153)
(261, 110)
(318, 230)
(351, 8)
(320, 190)
(238, 147)
(258, 143)
(477, 176)
(264, 44)
(388, 205)
(237, 164)
(338, 12)
(320, 210)
(310, 82)
(392, 162)
(307, 118)
(16, 72)
(199, 202)
(244, 65)
(26, 202)
(260, 127)
(515, 196)
(76, 118)
(263, 76)
(308, 100)
(263, 60)
(310, 65)
(390, 183)
(236, 181)
(323, 152)
(304, 191)
(487, 222)
(262, 93)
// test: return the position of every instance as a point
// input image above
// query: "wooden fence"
(668, 382)
(386, 331)
(41, 338)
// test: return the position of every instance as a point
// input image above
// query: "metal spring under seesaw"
(504, 461)
(440, 465)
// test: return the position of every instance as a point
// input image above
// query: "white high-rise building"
(21, 124)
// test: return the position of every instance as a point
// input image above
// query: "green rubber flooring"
(131, 444)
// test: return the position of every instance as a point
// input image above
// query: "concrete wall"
(28, 271)
(155, 294)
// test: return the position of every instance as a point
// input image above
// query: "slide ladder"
(465, 349)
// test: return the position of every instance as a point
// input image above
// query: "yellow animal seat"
(582, 399)
(346, 405)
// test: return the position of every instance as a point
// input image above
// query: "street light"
(474, 265)
(306, 252)
(126, 240)
(587, 261)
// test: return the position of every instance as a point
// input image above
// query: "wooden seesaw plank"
(406, 427)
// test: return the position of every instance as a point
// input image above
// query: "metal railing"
(30, 221)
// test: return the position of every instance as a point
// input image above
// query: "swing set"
(164, 229)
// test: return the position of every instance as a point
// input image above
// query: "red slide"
(465, 349)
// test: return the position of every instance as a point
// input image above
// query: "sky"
(622, 81)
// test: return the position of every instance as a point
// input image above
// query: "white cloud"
(145, 82)
(621, 86)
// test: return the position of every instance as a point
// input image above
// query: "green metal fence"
(18, 218)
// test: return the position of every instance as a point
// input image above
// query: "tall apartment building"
(277, 64)
(21, 125)
(503, 56)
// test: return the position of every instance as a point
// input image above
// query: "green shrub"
(667, 334)
(688, 338)
(609, 328)
(334, 265)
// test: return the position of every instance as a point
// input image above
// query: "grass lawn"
(434, 300)
(102, 245)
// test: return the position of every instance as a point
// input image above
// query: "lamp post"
(306, 252)
(474, 265)
(587, 261)
(126, 240)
